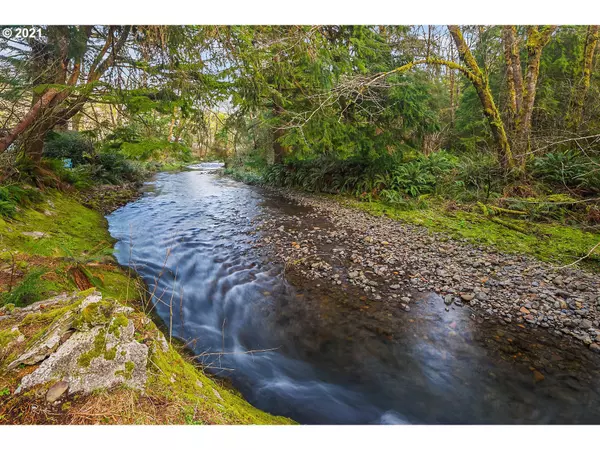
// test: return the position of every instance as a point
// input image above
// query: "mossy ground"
(551, 242)
(177, 390)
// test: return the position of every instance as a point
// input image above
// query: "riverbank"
(76, 331)
(392, 262)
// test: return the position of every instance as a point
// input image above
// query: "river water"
(291, 348)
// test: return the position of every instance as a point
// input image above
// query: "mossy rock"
(99, 313)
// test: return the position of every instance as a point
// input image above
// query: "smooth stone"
(56, 391)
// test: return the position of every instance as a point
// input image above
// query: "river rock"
(495, 285)
(467, 297)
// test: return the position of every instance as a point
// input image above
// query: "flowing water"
(294, 349)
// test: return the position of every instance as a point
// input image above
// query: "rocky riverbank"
(392, 262)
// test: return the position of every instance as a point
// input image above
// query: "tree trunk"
(51, 108)
(514, 77)
(29, 119)
(480, 83)
(582, 86)
(536, 41)
(279, 151)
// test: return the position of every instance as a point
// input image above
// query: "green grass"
(31, 289)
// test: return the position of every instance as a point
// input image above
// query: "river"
(292, 349)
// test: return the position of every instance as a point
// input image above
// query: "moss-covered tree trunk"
(480, 83)
(537, 39)
(582, 85)
(514, 76)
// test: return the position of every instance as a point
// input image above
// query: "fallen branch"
(582, 258)
(510, 226)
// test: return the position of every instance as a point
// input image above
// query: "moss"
(195, 388)
(84, 294)
(116, 324)
(31, 289)
(99, 349)
(73, 231)
(6, 336)
(50, 315)
(98, 313)
(111, 354)
(128, 372)
(554, 243)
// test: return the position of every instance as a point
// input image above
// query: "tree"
(63, 71)
(537, 39)
(582, 85)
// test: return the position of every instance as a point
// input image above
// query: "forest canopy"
(380, 111)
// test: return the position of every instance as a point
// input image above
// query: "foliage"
(569, 169)
(13, 196)
(72, 145)
(389, 176)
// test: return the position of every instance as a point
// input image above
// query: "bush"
(110, 168)
(477, 177)
(73, 145)
(569, 169)
(388, 177)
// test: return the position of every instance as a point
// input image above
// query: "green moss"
(554, 243)
(195, 388)
(128, 372)
(116, 324)
(99, 349)
(116, 284)
(6, 336)
(111, 354)
(98, 313)
(31, 289)
(50, 315)
(73, 231)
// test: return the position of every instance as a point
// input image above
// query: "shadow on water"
(312, 352)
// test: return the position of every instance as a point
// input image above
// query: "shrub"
(73, 145)
(477, 177)
(388, 177)
(570, 169)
